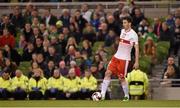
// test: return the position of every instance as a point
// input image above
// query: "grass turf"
(80, 103)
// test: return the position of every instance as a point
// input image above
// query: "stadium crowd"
(64, 64)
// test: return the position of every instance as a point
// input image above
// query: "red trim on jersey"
(124, 41)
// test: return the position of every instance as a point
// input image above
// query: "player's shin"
(125, 89)
(104, 87)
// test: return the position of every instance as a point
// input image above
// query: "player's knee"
(122, 80)
(108, 73)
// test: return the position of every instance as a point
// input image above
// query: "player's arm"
(136, 64)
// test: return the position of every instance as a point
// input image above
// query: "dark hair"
(129, 19)
(171, 56)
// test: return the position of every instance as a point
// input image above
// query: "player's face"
(126, 24)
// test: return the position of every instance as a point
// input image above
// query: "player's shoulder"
(122, 30)
(133, 31)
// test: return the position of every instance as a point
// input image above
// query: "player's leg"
(124, 84)
(105, 83)
(122, 74)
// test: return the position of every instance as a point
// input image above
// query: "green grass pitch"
(88, 103)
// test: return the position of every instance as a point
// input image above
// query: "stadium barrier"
(159, 89)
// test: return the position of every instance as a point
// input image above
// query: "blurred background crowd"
(76, 45)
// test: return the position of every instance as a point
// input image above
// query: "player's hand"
(136, 65)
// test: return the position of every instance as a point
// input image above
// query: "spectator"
(35, 22)
(150, 49)
(100, 10)
(37, 85)
(28, 32)
(36, 33)
(76, 68)
(34, 65)
(170, 72)
(44, 31)
(115, 44)
(22, 42)
(86, 12)
(86, 48)
(112, 24)
(19, 86)
(97, 59)
(17, 18)
(138, 17)
(52, 55)
(70, 55)
(71, 42)
(95, 22)
(48, 72)
(74, 32)
(27, 52)
(53, 31)
(142, 27)
(94, 71)
(102, 52)
(176, 30)
(65, 18)
(138, 84)
(62, 41)
(72, 85)
(46, 44)
(63, 69)
(88, 85)
(49, 19)
(2, 60)
(39, 45)
(157, 27)
(57, 46)
(80, 61)
(7, 39)
(103, 31)
(10, 67)
(28, 10)
(80, 20)
(6, 24)
(34, 13)
(170, 20)
(86, 62)
(118, 11)
(34, 57)
(101, 70)
(89, 33)
(41, 61)
(177, 13)
(167, 35)
(5, 86)
(110, 38)
(151, 34)
(124, 13)
(12, 54)
(55, 86)
(66, 32)
(74, 22)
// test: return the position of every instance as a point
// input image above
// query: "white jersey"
(127, 41)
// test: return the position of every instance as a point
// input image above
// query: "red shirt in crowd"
(7, 40)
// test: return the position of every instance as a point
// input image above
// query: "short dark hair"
(129, 19)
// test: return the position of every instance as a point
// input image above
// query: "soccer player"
(119, 62)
